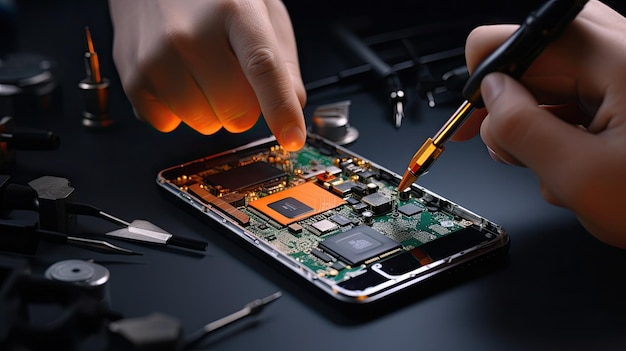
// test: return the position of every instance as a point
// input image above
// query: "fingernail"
(137, 115)
(491, 86)
(293, 138)
(497, 157)
(493, 155)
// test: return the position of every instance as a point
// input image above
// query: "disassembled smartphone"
(333, 217)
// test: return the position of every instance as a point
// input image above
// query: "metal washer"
(78, 272)
(331, 121)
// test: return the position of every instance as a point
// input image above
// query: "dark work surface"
(559, 289)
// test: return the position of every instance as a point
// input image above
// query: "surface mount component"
(297, 203)
(358, 245)
(245, 177)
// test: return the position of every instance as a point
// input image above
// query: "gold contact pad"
(315, 199)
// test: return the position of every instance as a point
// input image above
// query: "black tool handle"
(17, 197)
(187, 243)
(358, 48)
(519, 51)
(82, 209)
(19, 237)
(31, 139)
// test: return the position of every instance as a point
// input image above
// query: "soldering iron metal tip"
(407, 179)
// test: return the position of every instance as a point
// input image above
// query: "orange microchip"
(297, 203)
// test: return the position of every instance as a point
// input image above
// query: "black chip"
(343, 189)
(352, 201)
(359, 207)
(365, 175)
(290, 207)
(409, 209)
(245, 176)
(378, 203)
(341, 220)
(359, 244)
(338, 265)
(322, 256)
(360, 189)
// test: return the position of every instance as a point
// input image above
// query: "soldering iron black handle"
(519, 51)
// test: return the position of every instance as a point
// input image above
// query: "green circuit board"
(332, 213)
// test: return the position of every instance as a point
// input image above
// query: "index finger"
(267, 54)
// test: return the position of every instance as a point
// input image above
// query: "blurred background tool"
(95, 90)
(158, 331)
(250, 309)
(28, 88)
(20, 231)
(396, 94)
(433, 88)
(12, 139)
(58, 211)
(18, 236)
(138, 230)
(331, 121)
(72, 294)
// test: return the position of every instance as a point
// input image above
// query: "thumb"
(518, 127)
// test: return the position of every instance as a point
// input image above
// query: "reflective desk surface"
(559, 289)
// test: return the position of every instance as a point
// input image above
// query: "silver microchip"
(324, 226)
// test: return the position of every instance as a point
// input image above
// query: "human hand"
(211, 64)
(566, 120)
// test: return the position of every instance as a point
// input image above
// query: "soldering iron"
(513, 57)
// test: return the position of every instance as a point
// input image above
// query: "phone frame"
(497, 242)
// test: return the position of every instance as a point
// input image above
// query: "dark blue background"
(560, 289)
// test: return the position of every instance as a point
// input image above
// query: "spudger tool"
(250, 309)
(137, 230)
(513, 57)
